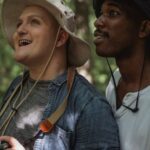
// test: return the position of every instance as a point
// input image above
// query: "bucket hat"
(144, 5)
(78, 49)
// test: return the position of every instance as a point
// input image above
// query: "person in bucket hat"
(51, 106)
(123, 32)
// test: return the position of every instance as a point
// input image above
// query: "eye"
(109, 13)
(113, 13)
(35, 22)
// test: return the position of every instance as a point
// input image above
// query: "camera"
(4, 145)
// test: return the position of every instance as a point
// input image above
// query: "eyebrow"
(31, 16)
(114, 4)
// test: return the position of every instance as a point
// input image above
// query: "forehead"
(111, 3)
(127, 6)
(34, 10)
(97, 4)
(116, 3)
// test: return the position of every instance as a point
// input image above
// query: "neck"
(131, 69)
(56, 66)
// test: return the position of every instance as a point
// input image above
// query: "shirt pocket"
(58, 139)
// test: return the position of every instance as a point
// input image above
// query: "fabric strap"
(48, 124)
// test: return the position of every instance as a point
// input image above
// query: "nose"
(22, 30)
(100, 21)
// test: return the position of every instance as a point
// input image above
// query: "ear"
(62, 38)
(144, 29)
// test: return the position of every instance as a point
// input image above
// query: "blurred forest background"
(95, 70)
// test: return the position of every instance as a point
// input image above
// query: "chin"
(106, 52)
(102, 53)
(20, 59)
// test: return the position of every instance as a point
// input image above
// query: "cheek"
(44, 40)
(124, 34)
(44, 44)
(46, 36)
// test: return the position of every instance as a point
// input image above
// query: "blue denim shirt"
(87, 124)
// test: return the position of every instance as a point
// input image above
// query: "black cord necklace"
(135, 109)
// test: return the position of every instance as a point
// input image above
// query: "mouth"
(100, 35)
(24, 42)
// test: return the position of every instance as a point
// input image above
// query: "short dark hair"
(143, 6)
(97, 6)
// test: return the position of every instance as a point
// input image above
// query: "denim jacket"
(87, 124)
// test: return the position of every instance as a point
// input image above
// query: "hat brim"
(78, 49)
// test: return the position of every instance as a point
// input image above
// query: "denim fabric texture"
(87, 124)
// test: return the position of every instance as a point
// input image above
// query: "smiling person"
(123, 32)
(51, 106)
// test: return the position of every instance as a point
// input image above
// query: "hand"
(15, 145)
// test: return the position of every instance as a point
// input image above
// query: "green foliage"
(9, 69)
(100, 72)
